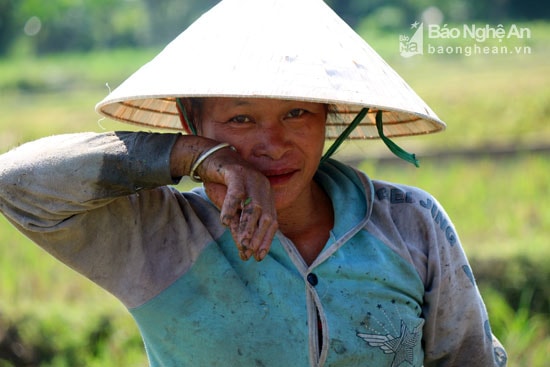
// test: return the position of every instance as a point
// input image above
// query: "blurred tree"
(168, 18)
(59, 25)
(7, 28)
(64, 24)
(529, 9)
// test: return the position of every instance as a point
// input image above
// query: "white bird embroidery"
(402, 345)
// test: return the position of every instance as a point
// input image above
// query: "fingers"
(231, 207)
(256, 231)
(261, 242)
(248, 210)
(251, 220)
(248, 223)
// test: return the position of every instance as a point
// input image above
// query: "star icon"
(401, 346)
(415, 25)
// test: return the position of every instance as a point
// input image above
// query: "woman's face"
(282, 139)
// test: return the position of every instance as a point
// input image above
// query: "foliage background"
(60, 25)
(490, 169)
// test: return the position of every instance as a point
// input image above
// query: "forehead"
(225, 102)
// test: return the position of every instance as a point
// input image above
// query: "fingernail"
(242, 256)
(261, 255)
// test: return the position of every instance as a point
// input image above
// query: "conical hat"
(284, 49)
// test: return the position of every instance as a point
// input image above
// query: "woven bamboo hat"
(284, 49)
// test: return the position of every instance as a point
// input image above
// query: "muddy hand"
(246, 203)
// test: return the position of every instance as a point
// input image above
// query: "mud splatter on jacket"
(392, 286)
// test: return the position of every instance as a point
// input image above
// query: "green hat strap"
(344, 135)
(185, 118)
(397, 150)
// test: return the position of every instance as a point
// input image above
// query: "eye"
(295, 113)
(240, 119)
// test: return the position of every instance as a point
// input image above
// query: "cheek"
(212, 131)
(315, 141)
(243, 146)
(239, 141)
(205, 129)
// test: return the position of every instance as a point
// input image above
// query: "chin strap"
(395, 149)
(184, 118)
(344, 135)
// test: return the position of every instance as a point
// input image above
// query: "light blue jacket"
(392, 286)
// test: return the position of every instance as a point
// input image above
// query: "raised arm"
(82, 194)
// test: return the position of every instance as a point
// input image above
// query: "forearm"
(192, 150)
(48, 180)
(75, 196)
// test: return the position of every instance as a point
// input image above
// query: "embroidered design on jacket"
(383, 333)
(402, 345)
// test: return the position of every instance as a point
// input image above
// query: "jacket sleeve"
(97, 203)
(46, 181)
(457, 331)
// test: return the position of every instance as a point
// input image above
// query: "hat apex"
(284, 49)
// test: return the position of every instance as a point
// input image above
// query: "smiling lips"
(279, 177)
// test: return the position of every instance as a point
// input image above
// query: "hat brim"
(161, 113)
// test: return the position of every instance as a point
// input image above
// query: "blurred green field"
(498, 204)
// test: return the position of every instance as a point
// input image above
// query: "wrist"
(205, 155)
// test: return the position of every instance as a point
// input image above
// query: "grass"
(499, 206)
(71, 71)
(58, 317)
(494, 207)
(525, 336)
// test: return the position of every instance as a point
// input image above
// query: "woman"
(349, 271)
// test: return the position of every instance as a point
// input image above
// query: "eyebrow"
(241, 102)
(248, 102)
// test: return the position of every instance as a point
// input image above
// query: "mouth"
(279, 177)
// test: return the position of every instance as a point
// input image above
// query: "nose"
(273, 141)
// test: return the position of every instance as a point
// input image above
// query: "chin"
(283, 201)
